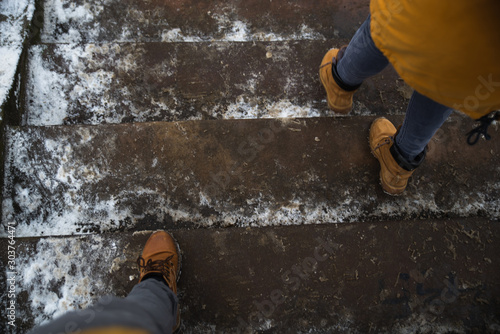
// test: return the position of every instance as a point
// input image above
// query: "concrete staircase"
(207, 119)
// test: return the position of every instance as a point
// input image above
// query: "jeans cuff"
(336, 75)
(405, 163)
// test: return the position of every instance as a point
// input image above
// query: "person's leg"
(423, 118)
(343, 70)
(361, 59)
(151, 306)
(401, 152)
(158, 301)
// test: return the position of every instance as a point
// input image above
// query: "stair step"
(80, 179)
(144, 82)
(386, 277)
(69, 21)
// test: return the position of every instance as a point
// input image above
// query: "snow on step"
(15, 16)
(119, 83)
(92, 21)
(390, 277)
(79, 179)
(130, 61)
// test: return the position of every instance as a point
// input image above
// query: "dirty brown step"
(93, 21)
(141, 82)
(79, 179)
(385, 277)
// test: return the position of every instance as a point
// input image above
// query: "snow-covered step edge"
(141, 82)
(94, 179)
(186, 21)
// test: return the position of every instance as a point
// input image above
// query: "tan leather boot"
(161, 256)
(394, 170)
(339, 98)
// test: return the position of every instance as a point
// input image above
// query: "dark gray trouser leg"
(151, 305)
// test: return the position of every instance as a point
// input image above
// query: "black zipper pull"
(482, 129)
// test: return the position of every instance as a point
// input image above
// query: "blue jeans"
(150, 306)
(361, 60)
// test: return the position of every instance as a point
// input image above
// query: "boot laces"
(163, 266)
(336, 58)
(329, 63)
(386, 141)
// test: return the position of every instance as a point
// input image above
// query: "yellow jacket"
(447, 50)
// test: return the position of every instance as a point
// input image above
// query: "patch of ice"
(63, 182)
(87, 84)
(60, 14)
(245, 108)
(56, 269)
(48, 105)
(176, 35)
(171, 35)
(17, 14)
(238, 32)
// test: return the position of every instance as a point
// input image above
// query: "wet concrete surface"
(143, 82)
(152, 20)
(426, 276)
(127, 61)
(256, 205)
(67, 180)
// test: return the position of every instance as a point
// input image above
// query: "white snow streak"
(12, 34)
